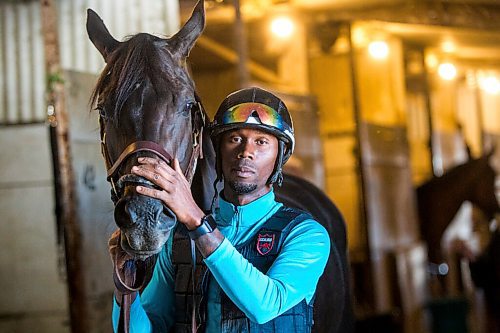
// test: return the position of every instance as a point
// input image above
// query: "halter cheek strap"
(198, 123)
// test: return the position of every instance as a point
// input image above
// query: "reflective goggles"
(242, 112)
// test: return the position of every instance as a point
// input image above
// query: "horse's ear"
(184, 40)
(99, 34)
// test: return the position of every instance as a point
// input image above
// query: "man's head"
(246, 114)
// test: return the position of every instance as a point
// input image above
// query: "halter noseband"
(136, 147)
(198, 122)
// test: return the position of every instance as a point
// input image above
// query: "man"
(261, 261)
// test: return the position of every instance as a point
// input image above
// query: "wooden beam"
(240, 36)
(437, 13)
(232, 57)
(63, 170)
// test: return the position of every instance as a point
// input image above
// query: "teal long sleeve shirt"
(262, 297)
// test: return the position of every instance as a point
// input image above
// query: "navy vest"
(260, 250)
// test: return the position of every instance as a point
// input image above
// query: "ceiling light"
(447, 71)
(282, 26)
(378, 49)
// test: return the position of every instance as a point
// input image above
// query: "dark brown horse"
(438, 202)
(440, 198)
(148, 106)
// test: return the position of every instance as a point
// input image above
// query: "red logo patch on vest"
(265, 243)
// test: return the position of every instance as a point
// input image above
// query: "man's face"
(248, 157)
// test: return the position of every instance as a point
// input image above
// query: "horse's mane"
(456, 173)
(140, 58)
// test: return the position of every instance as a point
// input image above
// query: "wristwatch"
(208, 225)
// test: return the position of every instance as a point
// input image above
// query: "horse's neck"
(456, 195)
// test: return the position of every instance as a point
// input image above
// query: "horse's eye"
(102, 112)
(189, 106)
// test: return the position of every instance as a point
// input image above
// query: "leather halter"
(136, 147)
(198, 123)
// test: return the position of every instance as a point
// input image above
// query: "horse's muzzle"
(144, 221)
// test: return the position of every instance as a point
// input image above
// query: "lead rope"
(127, 292)
(194, 326)
(128, 285)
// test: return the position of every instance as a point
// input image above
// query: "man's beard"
(242, 188)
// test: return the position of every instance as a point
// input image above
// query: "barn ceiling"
(473, 25)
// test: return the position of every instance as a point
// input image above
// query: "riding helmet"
(259, 109)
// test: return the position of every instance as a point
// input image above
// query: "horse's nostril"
(124, 216)
(131, 213)
(169, 213)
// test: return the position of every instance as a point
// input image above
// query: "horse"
(439, 199)
(148, 106)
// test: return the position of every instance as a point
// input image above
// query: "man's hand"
(175, 189)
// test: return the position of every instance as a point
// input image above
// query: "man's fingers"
(155, 163)
(150, 192)
(177, 168)
(157, 176)
(148, 160)
(153, 166)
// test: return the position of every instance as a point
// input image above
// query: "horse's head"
(483, 191)
(148, 107)
(440, 198)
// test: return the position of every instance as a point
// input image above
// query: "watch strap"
(208, 225)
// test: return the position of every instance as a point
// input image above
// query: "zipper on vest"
(237, 214)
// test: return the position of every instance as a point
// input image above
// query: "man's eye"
(235, 139)
(262, 142)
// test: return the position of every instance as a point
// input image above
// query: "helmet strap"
(277, 175)
(218, 161)
(218, 172)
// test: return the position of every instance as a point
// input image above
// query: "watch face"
(209, 219)
(207, 225)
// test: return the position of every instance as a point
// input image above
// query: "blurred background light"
(448, 46)
(490, 84)
(282, 27)
(378, 49)
(431, 61)
(447, 71)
